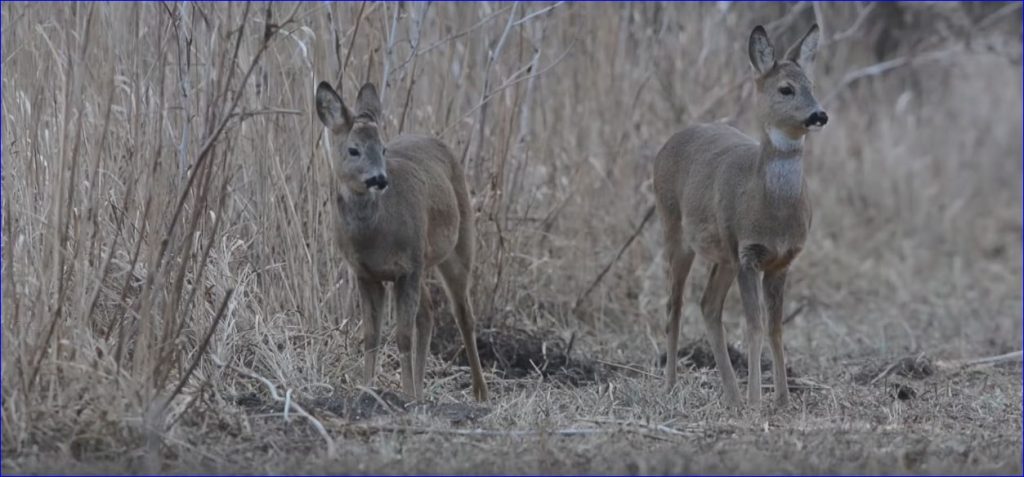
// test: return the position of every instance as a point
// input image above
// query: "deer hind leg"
(372, 295)
(424, 329)
(774, 287)
(407, 300)
(455, 272)
(680, 259)
(711, 307)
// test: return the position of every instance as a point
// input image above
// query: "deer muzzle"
(816, 119)
(379, 181)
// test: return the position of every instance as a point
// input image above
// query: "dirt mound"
(516, 354)
(918, 367)
(697, 355)
(901, 391)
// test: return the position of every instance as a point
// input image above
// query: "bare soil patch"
(515, 353)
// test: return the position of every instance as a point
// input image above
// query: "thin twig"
(636, 428)
(290, 403)
(465, 32)
(351, 43)
(853, 29)
(202, 348)
(536, 13)
(377, 398)
(793, 314)
(886, 66)
(958, 364)
(622, 250)
(507, 84)
(375, 429)
(387, 54)
(266, 112)
(627, 368)
(885, 372)
(637, 425)
(417, 23)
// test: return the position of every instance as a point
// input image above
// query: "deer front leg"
(774, 287)
(424, 328)
(372, 294)
(750, 291)
(407, 301)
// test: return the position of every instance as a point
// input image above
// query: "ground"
(578, 414)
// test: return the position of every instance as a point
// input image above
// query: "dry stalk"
(351, 44)
(886, 66)
(512, 81)
(417, 28)
(202, 348)
(391, 39)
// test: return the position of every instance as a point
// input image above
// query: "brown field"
(173, 300)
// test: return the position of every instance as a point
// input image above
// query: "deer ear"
(762, 53)
(802, 53)
(368, 102)
(331, 109)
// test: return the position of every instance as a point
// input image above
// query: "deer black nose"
(817, 118)
(379, 181)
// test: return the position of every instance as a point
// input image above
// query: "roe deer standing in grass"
(742, 204)
(404, 208)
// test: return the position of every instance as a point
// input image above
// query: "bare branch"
(636, 232)
(886, 66)
(291, 404)
(512, 81)
(536, 13)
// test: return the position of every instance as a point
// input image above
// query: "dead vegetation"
(173, 299)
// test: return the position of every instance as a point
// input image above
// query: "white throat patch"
(784, 143)
(784, 177)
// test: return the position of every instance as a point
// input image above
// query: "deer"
(403, 210)
(741, 204)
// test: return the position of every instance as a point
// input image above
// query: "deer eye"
(786, 90)
(353, 151)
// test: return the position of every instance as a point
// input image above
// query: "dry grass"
(172, 300)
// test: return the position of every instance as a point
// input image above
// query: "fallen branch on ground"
(948, 366)
(376, 429)
(627, 367)
(565, 432)
(960, 364)
(288, 403)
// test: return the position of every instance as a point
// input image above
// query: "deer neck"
(358, 208)
(781, 167)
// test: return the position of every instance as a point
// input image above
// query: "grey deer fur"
(742, 204)
(403, 209)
